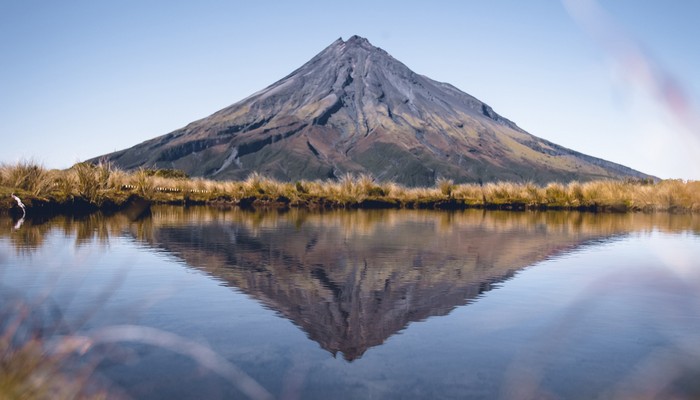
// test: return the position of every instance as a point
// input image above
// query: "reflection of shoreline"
(352, 279)
(355, 222)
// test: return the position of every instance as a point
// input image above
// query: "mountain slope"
(355, 109)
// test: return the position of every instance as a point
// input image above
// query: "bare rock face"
(355, 109)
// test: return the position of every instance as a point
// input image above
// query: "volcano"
(355, 109)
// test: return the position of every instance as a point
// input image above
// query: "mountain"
(355, 109)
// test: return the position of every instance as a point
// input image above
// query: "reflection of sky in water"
(617, 318)
(610, 316)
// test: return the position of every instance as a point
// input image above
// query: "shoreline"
(36, 206)
(86, 188)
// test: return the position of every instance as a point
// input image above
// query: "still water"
(204, 303)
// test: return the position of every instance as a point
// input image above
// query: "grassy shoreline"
(86, 187)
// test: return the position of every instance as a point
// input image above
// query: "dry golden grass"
(31, 368)
(102, 183)
(25, 175)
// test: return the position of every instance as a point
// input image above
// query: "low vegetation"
(32, 367)
(86, 186)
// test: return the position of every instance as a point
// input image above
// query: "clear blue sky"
(83, 78)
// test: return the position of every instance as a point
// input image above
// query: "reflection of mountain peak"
(351, 291)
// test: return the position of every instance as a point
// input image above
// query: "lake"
(198, 302)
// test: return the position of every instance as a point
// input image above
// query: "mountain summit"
(355, 109)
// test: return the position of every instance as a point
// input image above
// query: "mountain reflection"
(352, 279)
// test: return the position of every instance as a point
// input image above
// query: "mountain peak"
(353, 43)
(355, 109)
(358, 40)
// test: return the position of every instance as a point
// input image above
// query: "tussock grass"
(25, 175)
(103, 184)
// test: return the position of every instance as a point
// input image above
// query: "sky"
(616, 80)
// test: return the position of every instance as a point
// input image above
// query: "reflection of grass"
(101, 229)
(104, 186)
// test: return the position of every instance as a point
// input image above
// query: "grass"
(102, 186)
(32, 367)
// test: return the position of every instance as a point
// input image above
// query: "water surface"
(374, 304)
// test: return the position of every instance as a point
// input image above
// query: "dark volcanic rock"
(355, 109)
